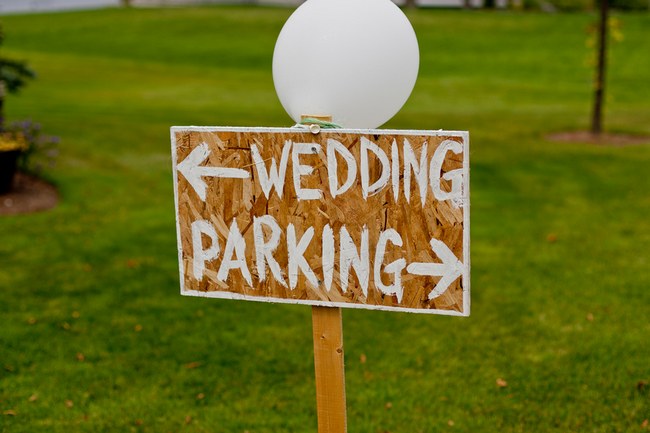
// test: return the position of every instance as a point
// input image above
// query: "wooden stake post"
(330, 371)
(327, 323)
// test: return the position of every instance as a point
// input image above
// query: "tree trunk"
(599, 84)
(3, 93)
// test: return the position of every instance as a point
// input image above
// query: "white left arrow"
(194, 172)
(450, 268)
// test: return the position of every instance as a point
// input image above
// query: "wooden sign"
(374, 219)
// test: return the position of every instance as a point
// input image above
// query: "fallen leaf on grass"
(388, 405)
(69, 404)
(188, 419)
(66, 326)
(32, 398)
(644, 424)
(590, 317)
(9, 412)
(501, 383)
(192, 365)
(451, 423)
(200, 396)
(139, 422)
(551, 238)
(642, 385)
(363, 358)
(137, 328)
(80, 357)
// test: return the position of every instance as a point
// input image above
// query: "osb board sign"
(375, 219)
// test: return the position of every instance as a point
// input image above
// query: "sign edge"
(179, 245)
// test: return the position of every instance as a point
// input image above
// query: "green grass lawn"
(95, 337)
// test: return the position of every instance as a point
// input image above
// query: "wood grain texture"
(330, 372)
(243, 200)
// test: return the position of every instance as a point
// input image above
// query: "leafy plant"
(14, 75)
(36, 149)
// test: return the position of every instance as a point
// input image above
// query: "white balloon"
(355, 60)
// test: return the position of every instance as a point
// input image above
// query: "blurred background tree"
(14, 74)
(601, 69)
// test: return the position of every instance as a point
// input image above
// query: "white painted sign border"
(231, 295)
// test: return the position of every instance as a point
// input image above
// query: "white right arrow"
(193, 171)
(450, 268)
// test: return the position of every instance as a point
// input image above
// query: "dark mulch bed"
(603, 139)
(29, 194)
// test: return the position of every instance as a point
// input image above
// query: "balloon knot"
(307, 121)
